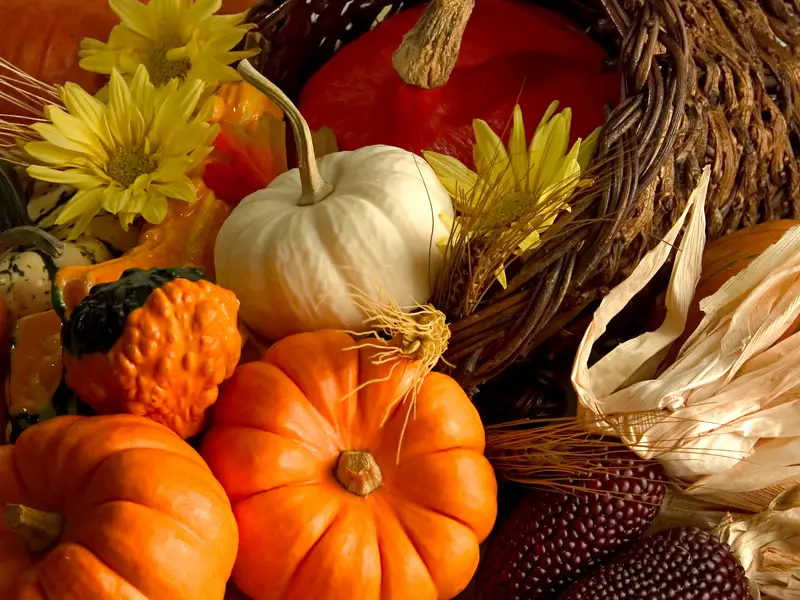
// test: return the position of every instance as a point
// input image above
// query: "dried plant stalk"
(554, 454)
(27, 97)
(416, 337)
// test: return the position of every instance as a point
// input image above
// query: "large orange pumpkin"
(326, 508)
(42, 37)
(724, 258)
(111, 508)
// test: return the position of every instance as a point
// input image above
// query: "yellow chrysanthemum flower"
(521, 185)
(127, 156)
(181, 39)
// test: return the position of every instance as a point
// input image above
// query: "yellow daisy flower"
(174, 39)
(127, 156)
(521, 186)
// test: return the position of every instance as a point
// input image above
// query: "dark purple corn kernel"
(677, 564)
(552, 539)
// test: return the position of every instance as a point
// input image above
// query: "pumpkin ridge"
(15, 469)
(325, 424)
(314, 450)
(442, 514)
(393, 411)
(183, 526)
(278, 487)
(16, 456)
(402, 526)
(336, 427)
(46, 595)
(89, 477)
(124, 565)
(200, 464)
(309, 552)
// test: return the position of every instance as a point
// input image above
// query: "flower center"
(161, 69)
(126, 166)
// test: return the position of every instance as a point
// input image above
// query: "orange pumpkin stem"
(38, 529)
(429, 52)
(358, 473)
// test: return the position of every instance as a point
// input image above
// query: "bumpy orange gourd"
(154, 343)
(309, 460)
(111, 508)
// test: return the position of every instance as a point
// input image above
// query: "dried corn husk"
(768, 546)
(725, 417)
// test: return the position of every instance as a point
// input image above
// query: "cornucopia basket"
(703, 81)
(348, 380)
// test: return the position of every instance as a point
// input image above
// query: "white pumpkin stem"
(315, 188)
(429, 52)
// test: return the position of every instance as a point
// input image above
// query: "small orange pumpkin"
(111, 508)
(305, 443)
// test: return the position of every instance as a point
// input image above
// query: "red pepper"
(512, 52)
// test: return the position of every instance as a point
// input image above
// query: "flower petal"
(453, 174)
(491, 159)
(56, 155)
(83, 202)
(588, 148)
(88, 109)
(115, 198)
(74, 177)
(125, 219)
(73, 128)
(136, 16)
(214, 70)
(518, 150)
(201, 10)
(120, 109)
(156, 208)
(182, 190)
(54, 135)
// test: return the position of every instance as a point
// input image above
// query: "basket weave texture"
(704, 82)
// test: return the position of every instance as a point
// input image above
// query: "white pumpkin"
(369, 220)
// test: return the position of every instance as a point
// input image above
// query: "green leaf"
(13, 207)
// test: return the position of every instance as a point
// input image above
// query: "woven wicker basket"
(704, 81)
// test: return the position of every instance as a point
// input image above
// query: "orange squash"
(185, 238)
(111, 508)
(154, 343)
(241, 104)
(724, 258)
(305, 443)
(42, 38)
(35, 368)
